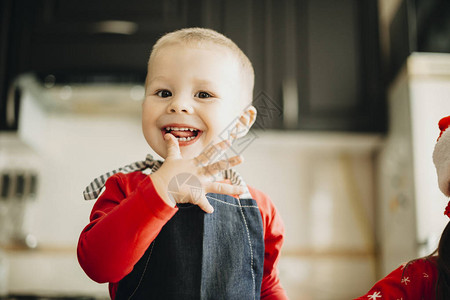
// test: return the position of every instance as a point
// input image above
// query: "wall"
(322, 185)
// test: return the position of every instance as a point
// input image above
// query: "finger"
(223, 164)
(224, 188)
(173, 149)
(204, 204)
(212, 152)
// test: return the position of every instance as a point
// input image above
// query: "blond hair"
(202, 37)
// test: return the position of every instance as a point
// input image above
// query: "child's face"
(194, 88)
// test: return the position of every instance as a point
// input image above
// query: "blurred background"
(348, 94)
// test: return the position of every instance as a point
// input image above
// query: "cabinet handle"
(11, 105)
(290, 103)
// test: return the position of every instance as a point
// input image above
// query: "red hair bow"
(444, 123)
(447, 210)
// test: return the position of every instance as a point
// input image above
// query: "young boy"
(191, 229)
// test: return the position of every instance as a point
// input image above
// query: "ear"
(245, 121)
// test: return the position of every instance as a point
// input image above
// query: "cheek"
(147, 120)
(146, 125)
(149, 127)
(221, 125)
(149, 114)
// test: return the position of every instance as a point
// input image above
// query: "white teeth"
(183, 139)
(180, 129)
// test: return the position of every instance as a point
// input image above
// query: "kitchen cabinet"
(14, 30)
(417, 26)
(100, 36)
(316, 62)
(82, 41)
(4, 19)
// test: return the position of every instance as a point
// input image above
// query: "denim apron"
(203, 256)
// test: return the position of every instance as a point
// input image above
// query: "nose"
(180, 105)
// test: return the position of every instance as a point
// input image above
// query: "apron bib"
(202, 256)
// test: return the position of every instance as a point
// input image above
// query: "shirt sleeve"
(124, 221)
(271, 288)
(414, 280)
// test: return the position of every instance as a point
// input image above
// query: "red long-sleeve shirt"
(413, 281)
(129, 215)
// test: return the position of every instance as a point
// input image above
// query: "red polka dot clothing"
(415, 280)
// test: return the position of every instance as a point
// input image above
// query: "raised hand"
(199, 172)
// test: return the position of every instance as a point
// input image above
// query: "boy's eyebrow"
(196, 81)
(213, 84)
(157, 78)
(203, 81)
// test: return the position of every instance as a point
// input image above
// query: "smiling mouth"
(184, 135)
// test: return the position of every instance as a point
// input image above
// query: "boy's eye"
(202, 95)
(164, 93)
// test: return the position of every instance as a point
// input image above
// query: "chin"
(189, 153)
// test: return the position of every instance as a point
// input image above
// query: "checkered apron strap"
(93, 190)
(236, 179)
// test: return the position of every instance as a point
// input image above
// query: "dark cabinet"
(82, 41)
(14, 33)
(316, 62)
(103, 36)
(418, 26)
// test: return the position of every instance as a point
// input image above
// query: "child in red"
(429, 277)
(188, 227)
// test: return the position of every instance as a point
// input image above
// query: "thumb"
(173, 149)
